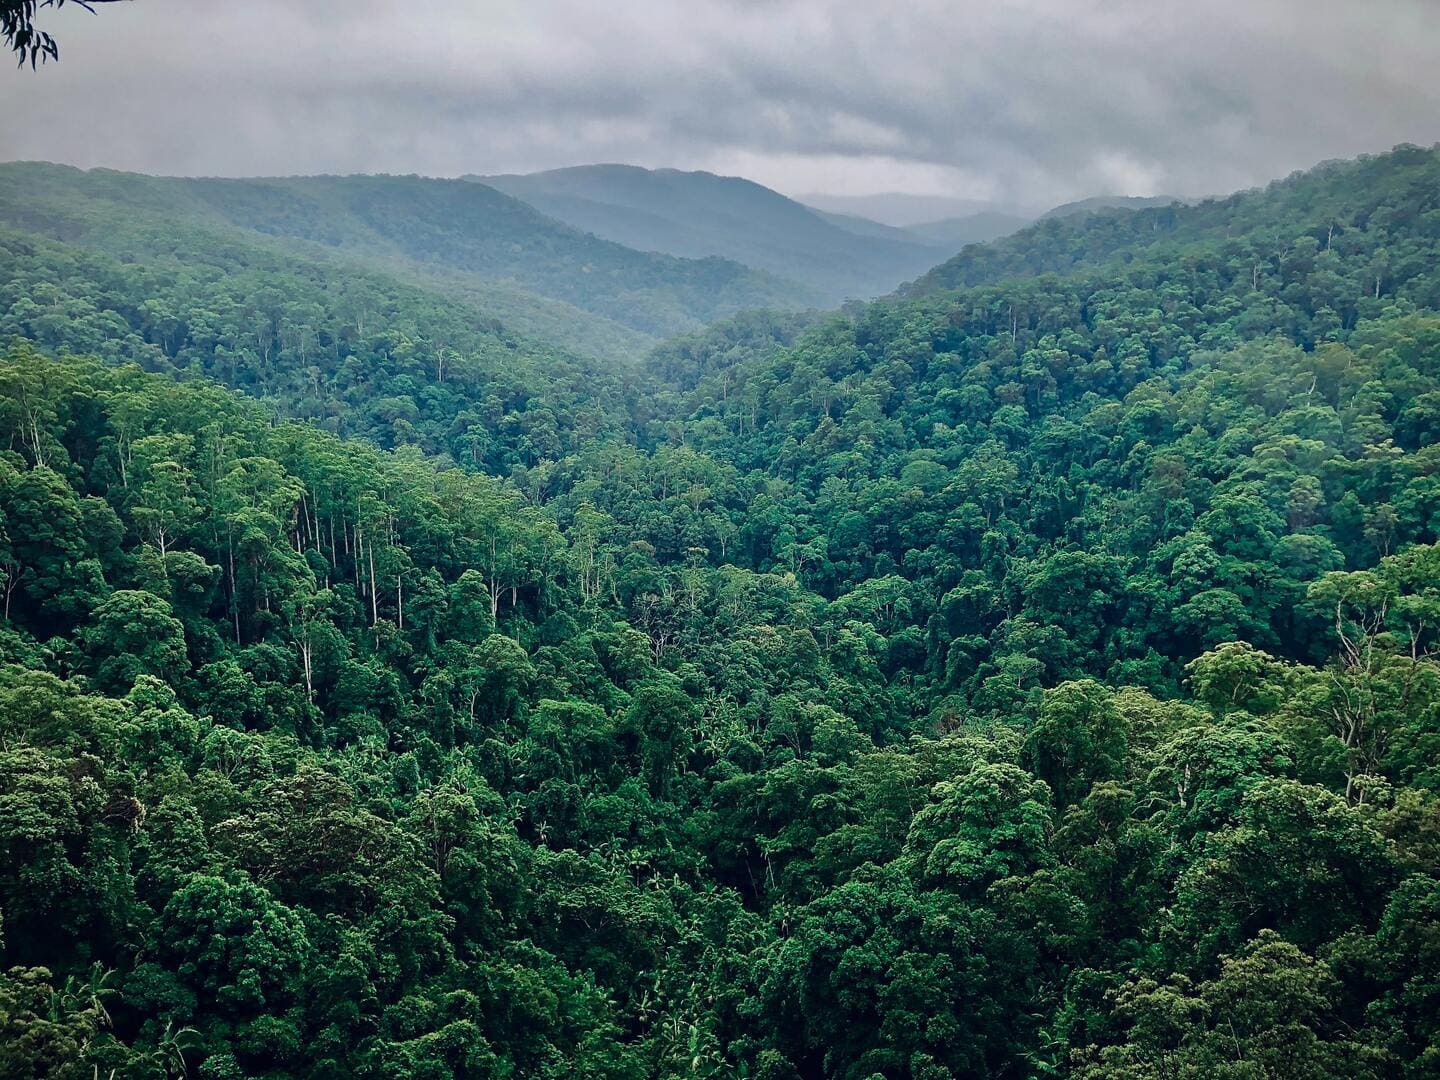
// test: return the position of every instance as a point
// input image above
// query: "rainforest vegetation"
(1031, 674)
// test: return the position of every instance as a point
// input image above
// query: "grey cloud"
(1030, 101)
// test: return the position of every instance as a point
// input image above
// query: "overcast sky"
(1032, 102)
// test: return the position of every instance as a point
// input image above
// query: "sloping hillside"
(696, 214)
(978, 228)
(1328, 209)
(446, 232)
(351, 348)
(897, 208)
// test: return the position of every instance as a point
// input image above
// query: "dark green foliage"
(23, 38)
(1033, 680)
(461, 239)
(1369, 221)
(358, 353)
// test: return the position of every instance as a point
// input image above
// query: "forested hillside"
(1034, 675)
(458, 238)
(358, 352)
(1372, 218)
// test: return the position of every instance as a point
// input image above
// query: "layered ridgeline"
(1340, 213)
(466, 241)
(938, 220)
(1032, 679)
(355, 350)
(977, 228)
(695, 214)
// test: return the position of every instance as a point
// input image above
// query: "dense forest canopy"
(1033, 674)
(461, 240)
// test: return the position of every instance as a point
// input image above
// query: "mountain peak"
(696, 214)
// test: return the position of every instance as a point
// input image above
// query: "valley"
(527, 625)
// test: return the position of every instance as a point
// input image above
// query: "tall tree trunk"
(374, 598)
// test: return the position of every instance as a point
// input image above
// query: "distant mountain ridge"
(899, 209)
(464, 236)
(606, 260)
(863, 226)
(954, 233)
(698, 214)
